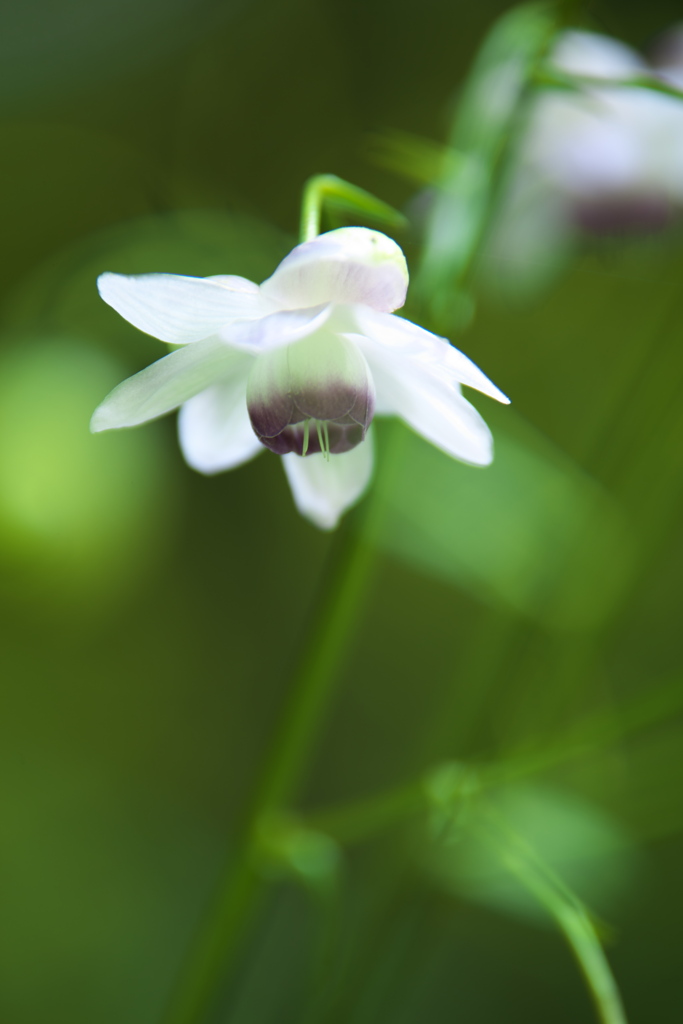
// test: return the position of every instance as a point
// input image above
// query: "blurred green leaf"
(577, 841)
(531, 531)
(76, 510)
(410, 156)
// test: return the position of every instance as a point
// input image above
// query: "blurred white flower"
(666, 56)
(601, 159)
(299, 365)
(615, 153)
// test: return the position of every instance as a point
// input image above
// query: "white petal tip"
(107, 417)
(98, 422)
(478, 460)
(106, 281)
(324, 491)
(486, 387)
(204, 470)
(490, 390)
(213, 468)
(102, 420)
(324, 523)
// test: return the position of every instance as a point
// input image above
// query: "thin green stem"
(328, 189)
(483, 135)
(311, 208)
(359, 819)
(327, 639)
(337, 611)
(579, 932)
(555, 78)
(567, 910)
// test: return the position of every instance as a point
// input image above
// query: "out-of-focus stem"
(578, 930)
(359, 819)
(334, 614)
(327, 637)
(482, 132)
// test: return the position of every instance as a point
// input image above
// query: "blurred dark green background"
(149, 614)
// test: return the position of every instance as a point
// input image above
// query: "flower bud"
(315, 395)
(344, 265)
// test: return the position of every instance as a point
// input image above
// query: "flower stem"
(579, 932)
(341, 195)
(335, 613)
(482, 135)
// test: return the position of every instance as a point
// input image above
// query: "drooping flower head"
(613, 151)
(603, 159)
(666, 56)
(299, 365)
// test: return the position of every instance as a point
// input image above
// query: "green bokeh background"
(149, 614)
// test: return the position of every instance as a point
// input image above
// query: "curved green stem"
(360, 819)
(482, 134)
(555, 78)
(357, 820)
(335, 612)
(580, 934)
(335, 192)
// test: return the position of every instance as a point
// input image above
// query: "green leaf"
(529, 853)
(576, 840)
(78, 515)
(531, 532)
(413, 157)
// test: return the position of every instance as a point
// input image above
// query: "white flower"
(299, 364)
(615, 153)
(667, 56)
(601, 159)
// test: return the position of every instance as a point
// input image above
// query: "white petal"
(442, 416)
(346, 265)
(412, 350)
(429, 402)
(598, 56)
(276, 329)
(168, 383)
(581, 146)
(323, 490)
(181, 309)
(214, 429)
(234, 283)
